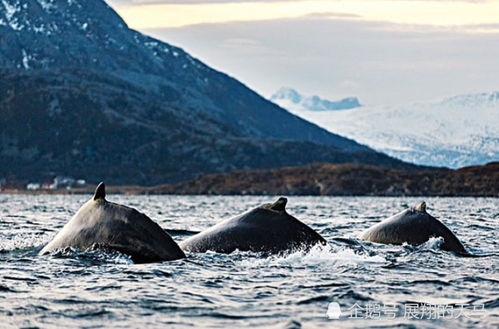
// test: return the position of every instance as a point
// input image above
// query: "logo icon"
(333, 310)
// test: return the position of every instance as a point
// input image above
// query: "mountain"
(454, 132)
(83, 95)
(289, 98)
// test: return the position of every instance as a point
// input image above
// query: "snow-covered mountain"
(453, 132)
(290, 99)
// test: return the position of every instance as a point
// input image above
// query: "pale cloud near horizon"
(341, 53)
(167, 14)
(375, 61)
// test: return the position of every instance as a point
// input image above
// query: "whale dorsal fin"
(279, 205)
(100, 192)
(421, 207)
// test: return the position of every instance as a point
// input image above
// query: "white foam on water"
(433, 243)
(316, 256)
(23, 241)
(104, 256)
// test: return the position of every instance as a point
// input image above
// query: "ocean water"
(366, 285)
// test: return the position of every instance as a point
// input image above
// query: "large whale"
(413, 226)
(103, 224)
(268, 228)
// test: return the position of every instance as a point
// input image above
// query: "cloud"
(331, 15)
(388, 51)
(424, 12)
(379, 62)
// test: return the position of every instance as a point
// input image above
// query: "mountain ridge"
(83, 95)
(289, 98)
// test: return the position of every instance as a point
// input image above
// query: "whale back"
(268, 228)
(413, 226)
(102, 224)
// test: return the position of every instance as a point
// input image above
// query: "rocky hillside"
(83, 95)
(345, 179)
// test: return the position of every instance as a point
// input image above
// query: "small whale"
(107, 225)
(268, 228)
(413, 226)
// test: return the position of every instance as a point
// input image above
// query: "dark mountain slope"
(83, 95)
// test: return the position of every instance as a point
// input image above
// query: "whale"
(413, 226)
(100, 224)
(267, 228)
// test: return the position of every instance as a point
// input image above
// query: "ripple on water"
(93, 288)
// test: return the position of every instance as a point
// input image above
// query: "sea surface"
(367, 285)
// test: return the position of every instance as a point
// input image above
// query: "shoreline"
(91, 192)
(319, 179)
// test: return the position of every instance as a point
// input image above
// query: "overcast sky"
(384, 52)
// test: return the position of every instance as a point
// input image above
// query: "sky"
(383, 52)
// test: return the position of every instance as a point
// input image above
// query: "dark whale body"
(268, 228)
(102, 224)
(413, 226)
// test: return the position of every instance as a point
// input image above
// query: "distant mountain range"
(290, 99)
(83, 95)
(454, 132)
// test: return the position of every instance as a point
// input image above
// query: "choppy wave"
(22, 241)
(74, 289)
(318, 255)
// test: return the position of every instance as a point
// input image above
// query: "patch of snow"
(46, 4)
(25, 60)
(39, 29)
(151, 44)
(10, 10)
(16, 26)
